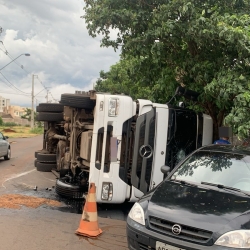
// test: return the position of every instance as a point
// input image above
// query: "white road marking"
(16, 176)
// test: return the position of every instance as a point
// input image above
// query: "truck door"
(143, 151)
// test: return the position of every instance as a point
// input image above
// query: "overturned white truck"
(116, 142)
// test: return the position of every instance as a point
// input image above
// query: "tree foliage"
(202, 45)
(127, 78)
(27, 114)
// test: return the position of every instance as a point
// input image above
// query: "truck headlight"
(137, 214)
(235, 239)
(107, 191)
(113, 107)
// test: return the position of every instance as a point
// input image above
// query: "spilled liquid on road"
(112, 211)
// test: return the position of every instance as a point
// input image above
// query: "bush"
(39, 124)
(1, 121)
(9, 124)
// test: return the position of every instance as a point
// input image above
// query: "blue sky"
(63, 57)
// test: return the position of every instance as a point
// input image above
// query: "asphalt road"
(47, 227)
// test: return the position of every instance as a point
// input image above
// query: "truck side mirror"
(165, 169)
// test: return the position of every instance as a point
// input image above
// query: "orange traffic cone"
(88, 224)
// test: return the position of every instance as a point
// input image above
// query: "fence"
(17, 120)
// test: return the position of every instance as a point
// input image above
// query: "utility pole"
(47, 96)
(32, 104)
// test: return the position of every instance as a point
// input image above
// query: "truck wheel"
(49, 117)
(63, 172)
(43, 157)
(40, 151)
(50, 107)
(45, 167)
(77, 101)
(69, 190)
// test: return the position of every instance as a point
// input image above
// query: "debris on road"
(16, 201)
(9, 130)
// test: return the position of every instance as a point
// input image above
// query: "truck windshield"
(214, 167)
(182, 136)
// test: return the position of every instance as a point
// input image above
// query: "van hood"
(203, 207)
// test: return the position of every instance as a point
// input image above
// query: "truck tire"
(50, 107)
(63, 172)
(39, 151)
(43, 157)
(35, 163)
(69, 190)
(45, 167)
(77, 101)
(49, 117)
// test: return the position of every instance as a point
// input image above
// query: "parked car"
(203, 203)
(5, 150)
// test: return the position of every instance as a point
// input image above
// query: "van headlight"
(235, 239)
(113, 107)
(137, 214)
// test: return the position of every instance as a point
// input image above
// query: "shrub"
(9, 124)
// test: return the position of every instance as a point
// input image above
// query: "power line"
(41, 82)
(53, 97)
(12, 58)
(12, 85)
(21, 66)
(9, 93)
(48, 92)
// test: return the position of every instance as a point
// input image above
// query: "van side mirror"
(165, 169)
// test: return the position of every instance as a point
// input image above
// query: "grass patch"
(20, 131)
(36, 131)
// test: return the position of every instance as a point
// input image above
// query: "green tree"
(126, 77)
(27, 114)
(202, 45)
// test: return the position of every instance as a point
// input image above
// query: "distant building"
(15, 111)
(12, 114)
(4, 103)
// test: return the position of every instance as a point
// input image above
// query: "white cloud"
(63, 56)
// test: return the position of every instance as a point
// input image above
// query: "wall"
(17, 120)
